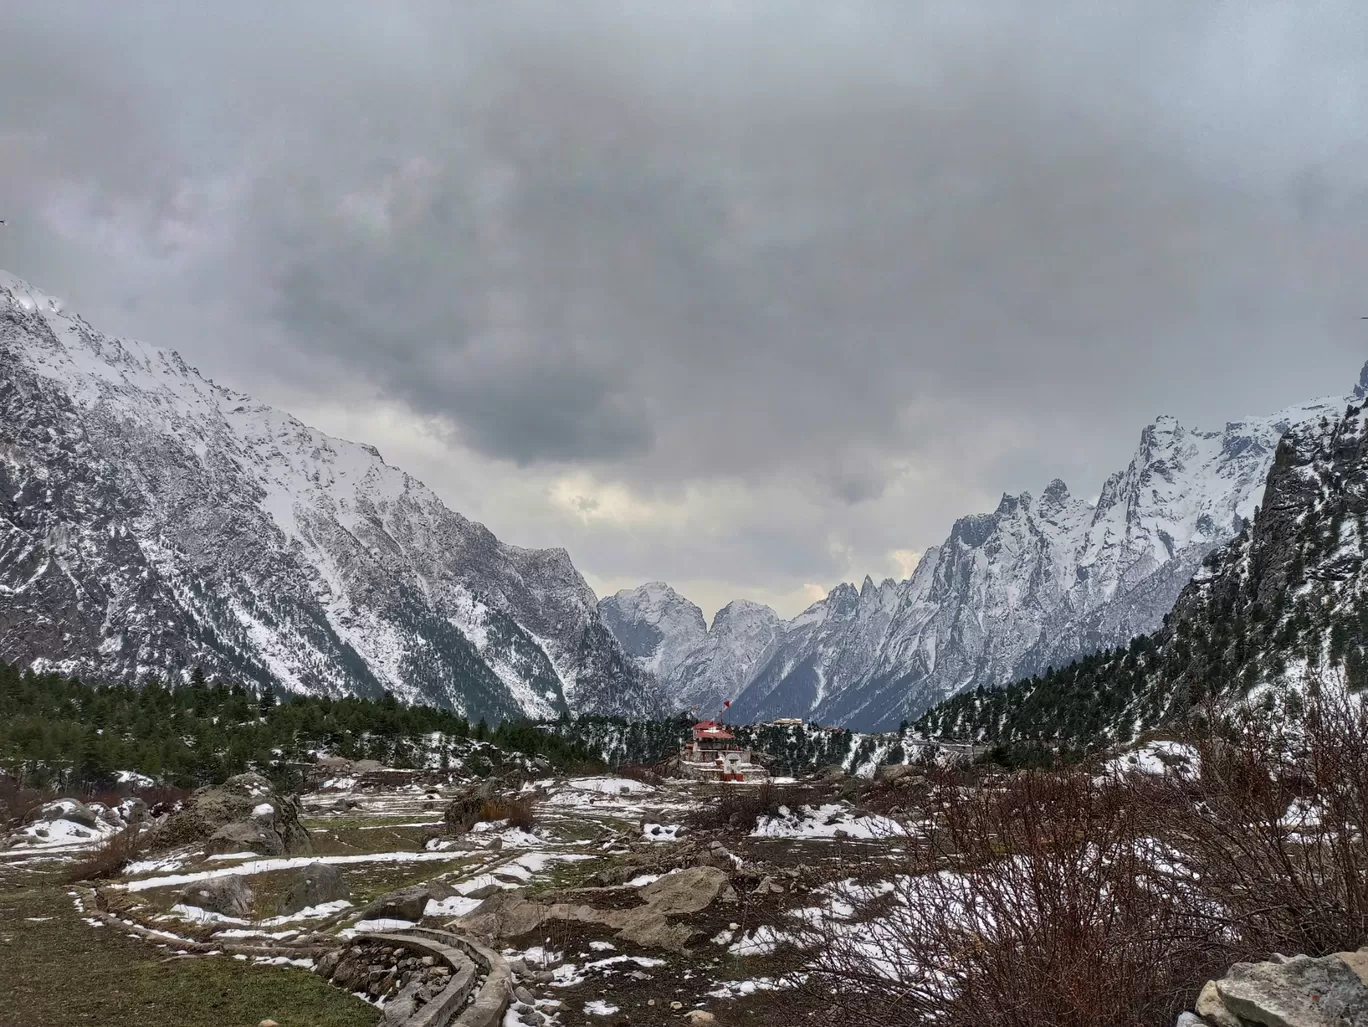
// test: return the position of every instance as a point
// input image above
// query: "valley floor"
(596, 843)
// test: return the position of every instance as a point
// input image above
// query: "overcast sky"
(750, 297)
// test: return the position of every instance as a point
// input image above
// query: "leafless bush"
(17, 803)
(646, 773)
(517, 810)
(110, 859)
(1278, 831)
(739, 808)
(1042, 902)
(1054, 897)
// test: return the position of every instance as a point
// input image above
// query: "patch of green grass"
(60, 972)
(344, 839)
(371, 880)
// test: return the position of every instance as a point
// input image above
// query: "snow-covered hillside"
(152, 521)
(655, 624)
(1037, 583)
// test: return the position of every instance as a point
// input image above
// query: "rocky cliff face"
(742, 638)
(1284, 603)
(152, 521)
(1037, 583)
(655, 625)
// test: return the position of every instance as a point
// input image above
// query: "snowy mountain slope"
(655, 625)
(1034, 584)
(741, 640)
(1281, 608)
(151, 521)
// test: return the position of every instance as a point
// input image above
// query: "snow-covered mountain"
(152, 521)
(1036, 583)
(1275, 613)
(655, 624)
(741, 640)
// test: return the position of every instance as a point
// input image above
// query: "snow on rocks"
(832, 820)
(1158, 758)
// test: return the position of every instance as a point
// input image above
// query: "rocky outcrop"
(245, 813)
(228, 896)
(1039, 582)
(316, 884)
(1243, 620)
(509, 914)
(407, 903)
(1296, 992)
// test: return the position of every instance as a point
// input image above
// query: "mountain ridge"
(1038, 582)
(185, 523)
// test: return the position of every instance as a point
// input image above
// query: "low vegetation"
(59, 732)
(1078, 900)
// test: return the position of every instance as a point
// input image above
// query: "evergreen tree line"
(60, 732)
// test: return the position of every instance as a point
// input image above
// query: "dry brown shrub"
(646, 773)
(17, 803)
(1278, 832)
(110, 859)
(1040, 902)
(517, 810)
(740, 807)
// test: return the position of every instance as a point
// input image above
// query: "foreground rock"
(229, 896)
(407, 903)
(403, 981)
(316, 884)
(509, 914)
(244, 814)
(1296, 992)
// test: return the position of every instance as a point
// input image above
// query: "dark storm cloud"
(827, 245)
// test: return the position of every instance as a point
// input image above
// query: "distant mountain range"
(1276, 613)
(152, 522)
(1035, 584)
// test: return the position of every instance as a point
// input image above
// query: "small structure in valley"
(714, 754)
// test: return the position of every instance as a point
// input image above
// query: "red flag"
(726, 704)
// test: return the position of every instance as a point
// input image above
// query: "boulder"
(64, 809)
(407, 903)
(238, 803)
(1297, 992)
(895, 772)
(316, 884)
(246, 836)
(230, 896)
(685, 891)
(509, 914)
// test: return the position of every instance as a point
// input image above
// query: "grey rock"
(1302, 992)
(685, 891)
(223, 816)
(406, 903)
(314, 885)
(246, 836)
(65, 809)
(230, 896)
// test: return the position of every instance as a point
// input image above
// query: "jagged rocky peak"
(655, 624)
(1239, 627)
(153, 522)
(20, 294)
(744, 614)
(1360, 393)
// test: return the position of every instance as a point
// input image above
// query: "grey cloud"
(811, 248)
